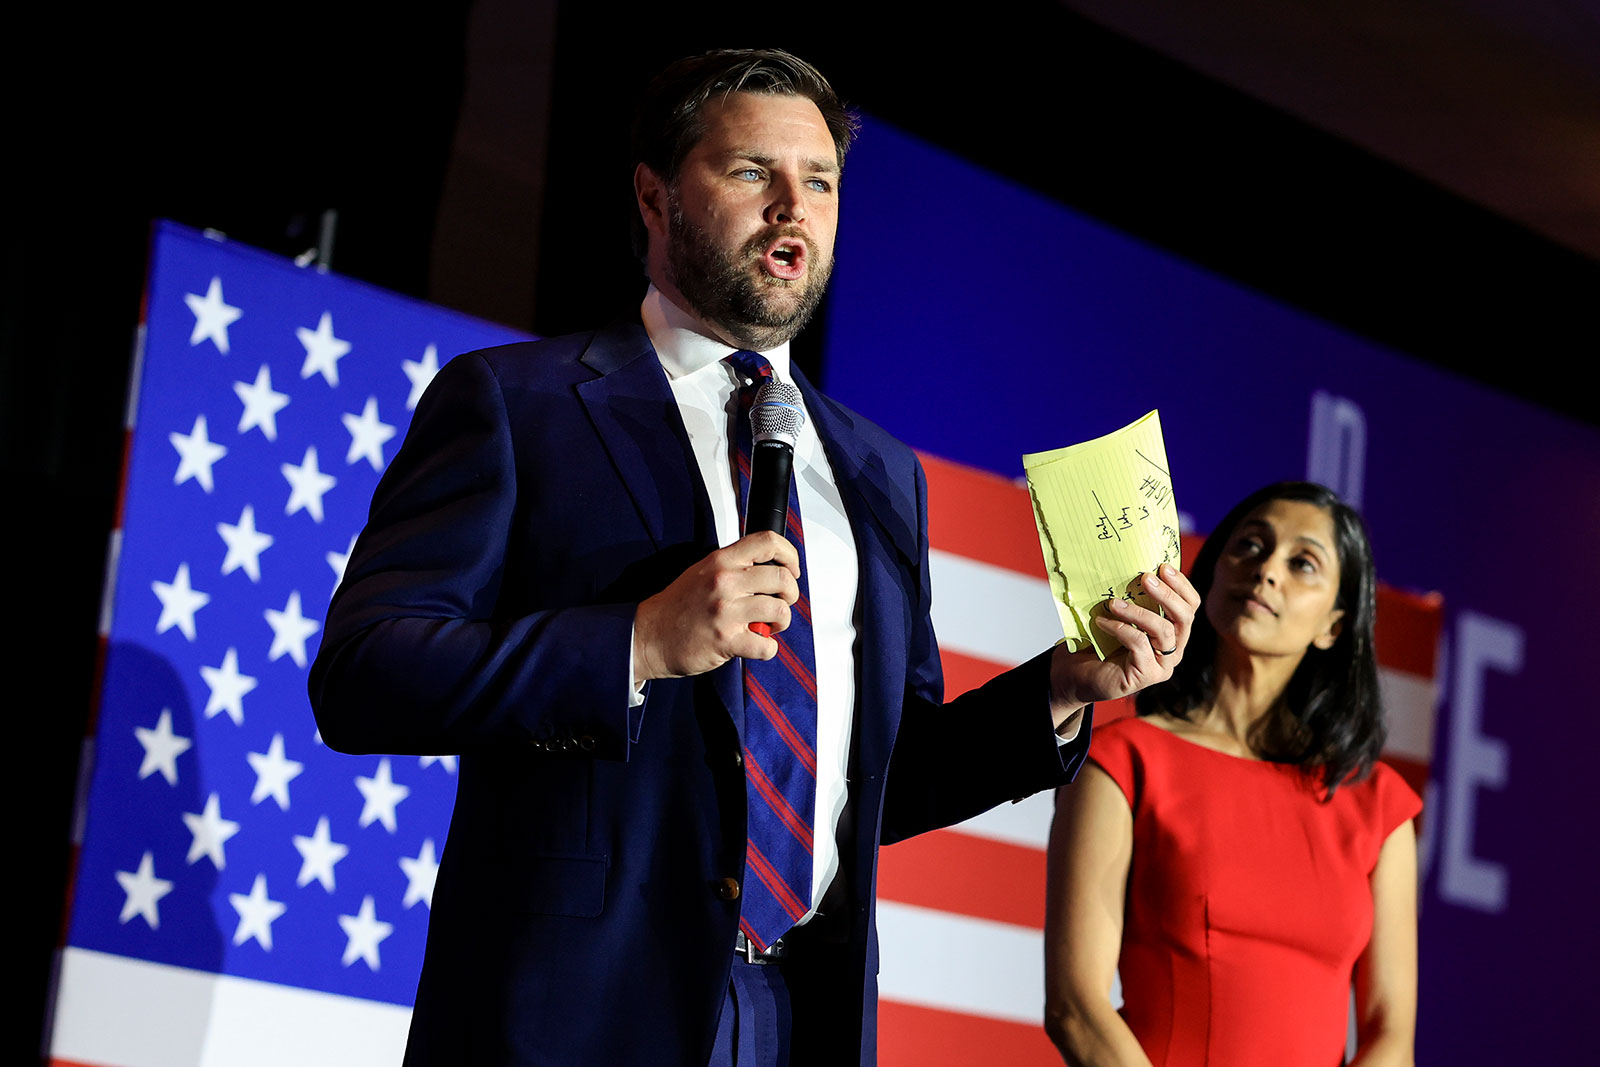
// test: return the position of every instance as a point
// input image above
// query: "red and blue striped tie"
(780, 733)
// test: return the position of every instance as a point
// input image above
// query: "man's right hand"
(703, 618)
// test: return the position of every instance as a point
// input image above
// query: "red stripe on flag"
(981, 516)
(781, 723)
(912, 1036)
(1112, 710)
(952, 871)
(963, 672)
(777, 801)
(1191, 548)
(1407, 630)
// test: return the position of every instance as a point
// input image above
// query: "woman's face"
(1276, 583)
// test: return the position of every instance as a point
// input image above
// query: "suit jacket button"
(586, 743)
(568, 744)
(738, 759)
(728, 888)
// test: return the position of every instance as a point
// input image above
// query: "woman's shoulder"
(1370, 810)
(1132, 749)
(1114, 747)
(1123, 737)
(1373, 808)
(1386, 797)
(1156, 756)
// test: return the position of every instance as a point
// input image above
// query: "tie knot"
(749, 366)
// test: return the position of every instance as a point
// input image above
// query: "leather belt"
(746, 950)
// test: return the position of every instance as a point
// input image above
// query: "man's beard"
(730, 291)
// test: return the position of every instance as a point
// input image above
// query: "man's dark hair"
(669, 121)
(1330, 719)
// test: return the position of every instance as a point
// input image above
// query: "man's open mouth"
(786, 259)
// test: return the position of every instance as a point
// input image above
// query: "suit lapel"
(884, 523)
(863, 483)
(636, 416)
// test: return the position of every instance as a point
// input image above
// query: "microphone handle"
(767, 507)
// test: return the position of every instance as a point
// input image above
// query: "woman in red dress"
(1235, 853)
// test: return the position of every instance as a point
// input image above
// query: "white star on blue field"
(222, 835)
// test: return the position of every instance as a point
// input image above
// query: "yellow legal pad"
(1106, 515)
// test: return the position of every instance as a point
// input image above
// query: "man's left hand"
(1151, 647)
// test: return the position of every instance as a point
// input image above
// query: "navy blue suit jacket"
(543, 490)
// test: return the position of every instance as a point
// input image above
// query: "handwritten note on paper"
(1106, 515)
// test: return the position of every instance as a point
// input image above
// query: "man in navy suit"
(553, 584)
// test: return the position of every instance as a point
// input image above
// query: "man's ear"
(650, 192)
(1330, 634)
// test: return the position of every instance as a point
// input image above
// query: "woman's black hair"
(1329, 721)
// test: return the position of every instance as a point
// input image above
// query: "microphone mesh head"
(776, 414)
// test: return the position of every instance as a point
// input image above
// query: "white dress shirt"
(706, 391)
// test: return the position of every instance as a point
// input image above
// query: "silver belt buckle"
(742, 945)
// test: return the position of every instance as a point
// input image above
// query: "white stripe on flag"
(1026, 823)
(990, 612)
(1408, 701)
(132, 1013)
(951, 962)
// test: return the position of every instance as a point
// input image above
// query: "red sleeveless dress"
(1248, 900)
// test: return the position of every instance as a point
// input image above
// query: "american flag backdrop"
(246, 896)
(240, 886)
